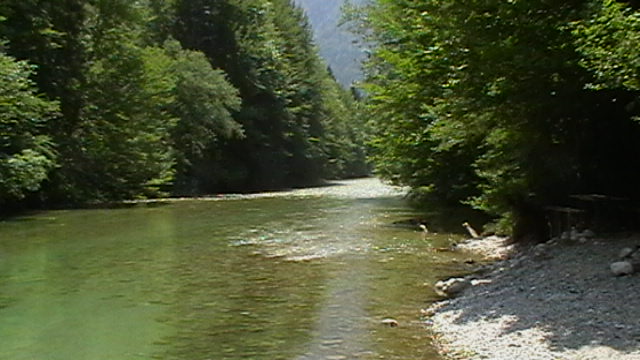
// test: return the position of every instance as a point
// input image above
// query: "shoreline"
(553, 301)
(335, 187)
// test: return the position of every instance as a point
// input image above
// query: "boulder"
(389, 322)
(452, 287)
(540, 250)
(625, 253)
(620, 268)
(574, 235)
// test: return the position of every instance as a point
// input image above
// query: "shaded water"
(307, 274)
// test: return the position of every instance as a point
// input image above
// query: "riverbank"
(365, 187)
(556, 301)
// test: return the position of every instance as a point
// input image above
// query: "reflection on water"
(302, 275)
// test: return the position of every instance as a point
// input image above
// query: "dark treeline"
(507, 106)
(117, 99)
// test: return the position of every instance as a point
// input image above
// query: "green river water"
(299, 275)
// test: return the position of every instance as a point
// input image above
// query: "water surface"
(300, 275)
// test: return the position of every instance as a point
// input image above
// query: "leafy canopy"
(26, 156)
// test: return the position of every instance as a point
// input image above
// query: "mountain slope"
(336, 43)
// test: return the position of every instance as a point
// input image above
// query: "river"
(299, 275)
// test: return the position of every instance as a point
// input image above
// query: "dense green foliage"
(509, 106)
(609, 41)
(269, 57)
(26, 155)
(164, 97)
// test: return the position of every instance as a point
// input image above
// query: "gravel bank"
(354, 188)
(558, 302)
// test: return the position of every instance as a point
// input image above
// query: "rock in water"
(620, 268)
(389, 322)
(452, 287)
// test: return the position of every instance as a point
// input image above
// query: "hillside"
(336, 43)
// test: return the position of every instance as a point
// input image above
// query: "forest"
(509, 107)
(505, 106)
(105, 100)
